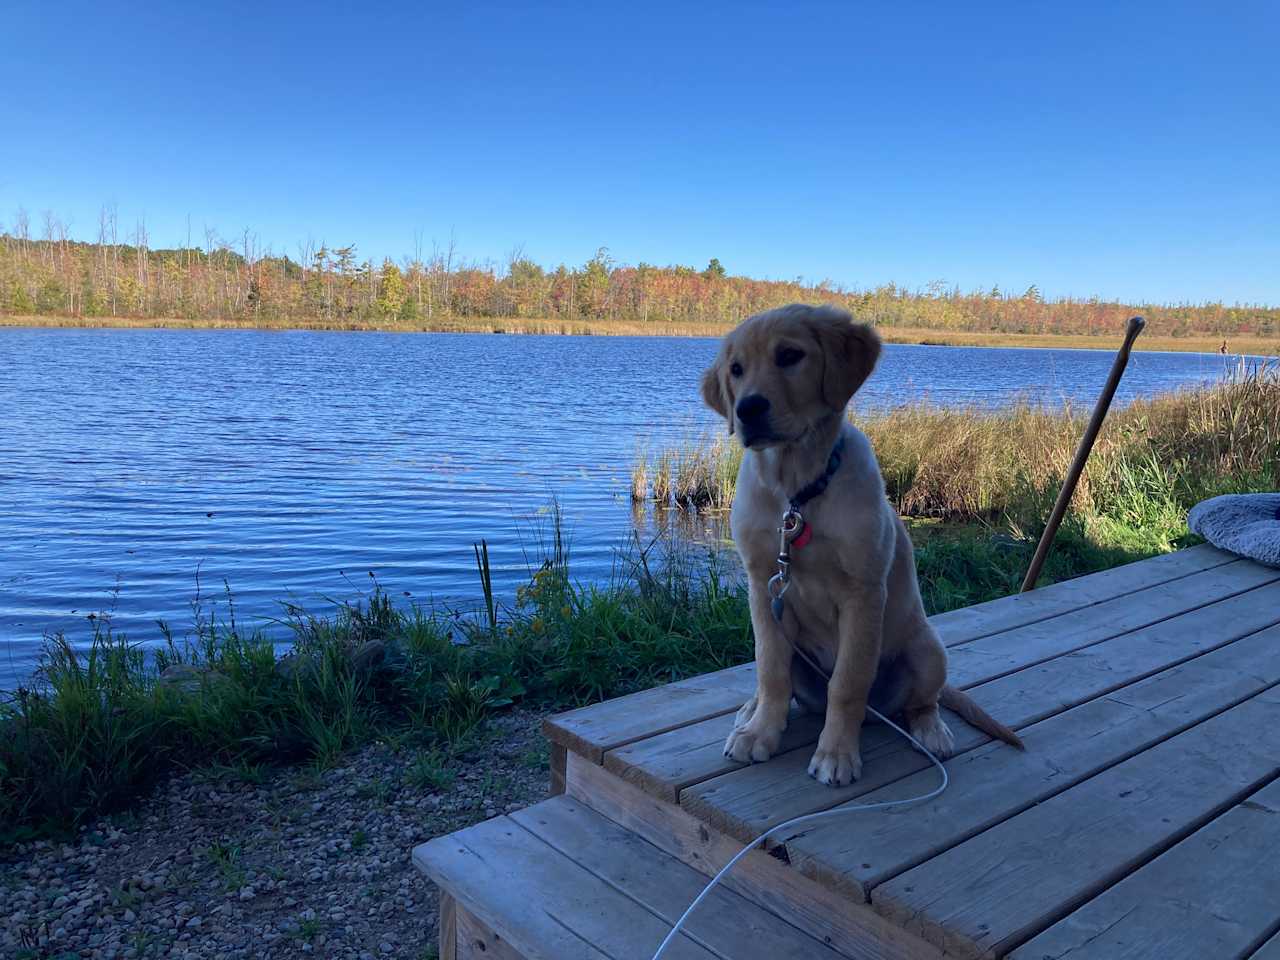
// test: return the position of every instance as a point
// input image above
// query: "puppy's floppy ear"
(849, 354)
(714, 394)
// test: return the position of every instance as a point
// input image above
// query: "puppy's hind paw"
(935, 736)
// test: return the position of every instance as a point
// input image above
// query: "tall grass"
(1153, 461)
(101, 723)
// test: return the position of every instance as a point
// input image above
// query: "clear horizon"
(1125, 154)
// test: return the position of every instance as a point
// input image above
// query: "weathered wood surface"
(1216, 894)
(669, 762)
(993, 783)
(586, 887)
(999, 889)
(726, 924)
(540, 902)
(1141, 822)
(1055, 600)
(852, 929)
(448, 927)
(590, 731)
(556, 763)
(748, 800)
(1014, 650)
(477, 941)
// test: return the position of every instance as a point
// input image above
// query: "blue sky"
(1126, 150)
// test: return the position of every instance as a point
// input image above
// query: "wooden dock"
(1143, 820)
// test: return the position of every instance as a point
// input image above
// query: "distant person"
(1223, 349)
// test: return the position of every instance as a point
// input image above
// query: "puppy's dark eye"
(789, 356)
(736, 370)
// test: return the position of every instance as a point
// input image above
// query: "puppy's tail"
(963, 704)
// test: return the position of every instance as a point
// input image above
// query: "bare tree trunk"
(144, 258)
(448, 274)
(417, 269)
(22, 229)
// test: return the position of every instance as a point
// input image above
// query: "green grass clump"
(98, 726)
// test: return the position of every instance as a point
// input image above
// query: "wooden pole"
(1082, 453)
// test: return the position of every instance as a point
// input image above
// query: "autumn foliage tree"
(53, 275)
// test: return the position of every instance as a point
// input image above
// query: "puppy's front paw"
(837, 767)
(754, 741)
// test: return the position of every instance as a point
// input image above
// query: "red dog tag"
(803, 537)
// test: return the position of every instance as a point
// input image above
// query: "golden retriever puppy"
(852, 606)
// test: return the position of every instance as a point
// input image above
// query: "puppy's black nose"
(752, 407)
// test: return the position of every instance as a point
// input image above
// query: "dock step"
(558, 881)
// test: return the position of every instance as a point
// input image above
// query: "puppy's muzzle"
(752, 412)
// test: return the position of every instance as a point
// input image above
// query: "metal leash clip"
(792, 526)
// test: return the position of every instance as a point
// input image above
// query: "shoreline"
(1236, 346)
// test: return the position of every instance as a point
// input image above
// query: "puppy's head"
(781, 372)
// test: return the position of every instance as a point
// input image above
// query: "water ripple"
(289, 466)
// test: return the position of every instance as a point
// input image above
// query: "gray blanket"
(1247, 524)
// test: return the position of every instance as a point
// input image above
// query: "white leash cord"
(809, 818)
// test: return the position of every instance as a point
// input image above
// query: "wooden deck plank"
(1004, 886)
(1013, 650)
(1269, 950)
(573, 915)
(750, 799)
(448, 933)
(590, 731)
(668, 763)
(726, 924)
(1215, 894)
(1047, 688)
(477, 941)
(853, 929)
(991, 784)
(1005, 613)
(593, 730)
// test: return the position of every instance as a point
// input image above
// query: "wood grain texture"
(540, 902)
(590, 731)
(667, 763)
(726, 923)
(1148, 696)
(593, 730)
(748, 800)
(1005, 613)
(1215, 894)
(559, 756)
(1014, 650)
(448, 927)
(852, 929)
(990, 784)
(477, 941)
(1004, 886)
(1047, 688)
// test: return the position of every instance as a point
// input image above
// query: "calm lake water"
(291, 465)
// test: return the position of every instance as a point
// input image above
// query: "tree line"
(54, 275)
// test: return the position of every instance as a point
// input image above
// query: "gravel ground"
(302, 863)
